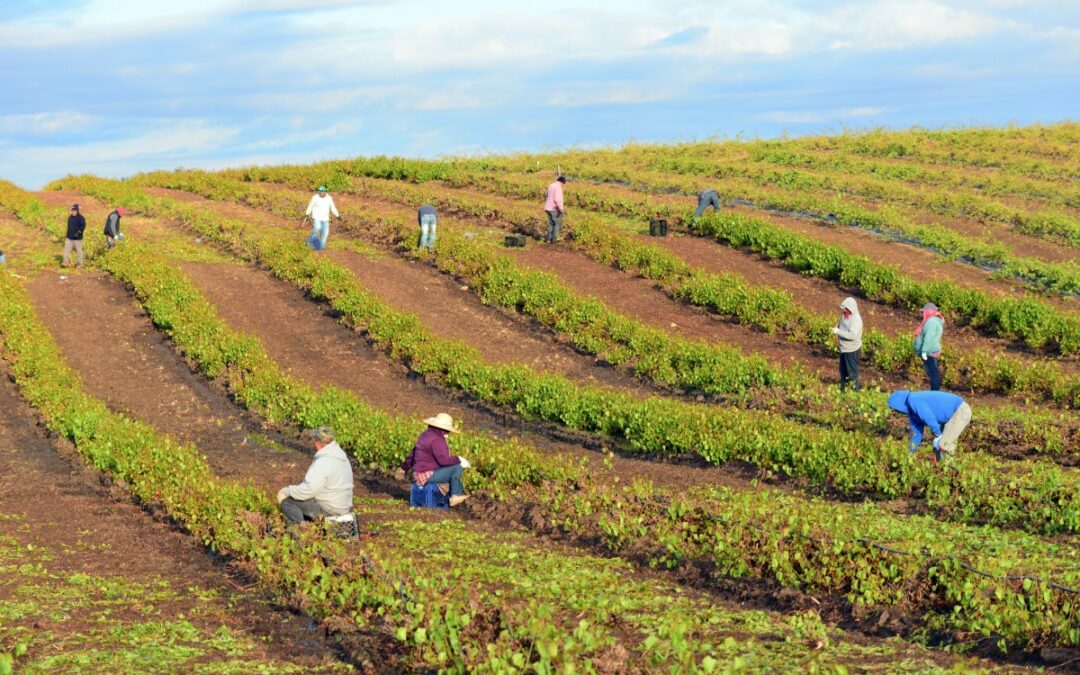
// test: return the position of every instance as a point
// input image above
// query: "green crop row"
(596, 329)
(727, 294)
(805, 153)
(740, 178)
(733, 296)
(1037, 323)
(1000, 602)
(1029, 494)
(508, 606)
(793, 197)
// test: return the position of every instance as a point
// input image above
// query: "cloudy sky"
(118, 86)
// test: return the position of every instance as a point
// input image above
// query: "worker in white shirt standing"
(319, 208)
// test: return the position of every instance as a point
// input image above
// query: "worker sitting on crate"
(431, 462)
(327, 489)
(705, 199)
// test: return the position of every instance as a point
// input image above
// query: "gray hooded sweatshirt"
(849, 330)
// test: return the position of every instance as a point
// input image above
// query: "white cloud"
(817, 116)
(45, 122)
(896, 24)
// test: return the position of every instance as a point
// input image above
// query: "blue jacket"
(925, 409)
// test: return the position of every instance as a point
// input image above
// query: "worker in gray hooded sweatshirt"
(848, 332)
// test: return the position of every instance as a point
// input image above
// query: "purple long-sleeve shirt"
(430, 453)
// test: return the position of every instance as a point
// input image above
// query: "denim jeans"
(449, 474)
(296, 510)
(707, 199)
(428, 223)
(933, 372)
(554, 225)
(321, 229)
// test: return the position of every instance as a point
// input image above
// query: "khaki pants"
(956, 424)
(73, 244)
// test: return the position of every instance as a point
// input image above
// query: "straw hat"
(442, 421)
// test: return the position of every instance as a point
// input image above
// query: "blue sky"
(115, 87)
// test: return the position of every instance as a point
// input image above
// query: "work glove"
(937, 447)
(282, 494)
(835, 330)
(465, 463)
(924, 356)
(399, 474)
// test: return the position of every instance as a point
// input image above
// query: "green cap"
(322, 188)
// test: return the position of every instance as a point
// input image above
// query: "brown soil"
(91, 528)
(816, 294)
(643, 300)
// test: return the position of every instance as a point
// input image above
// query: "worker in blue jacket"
(947, 415)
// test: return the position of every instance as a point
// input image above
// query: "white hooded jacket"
(849, 330)
(329, 481)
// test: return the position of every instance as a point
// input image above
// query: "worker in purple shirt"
(431, 462)
(947, 415)
(555, 209)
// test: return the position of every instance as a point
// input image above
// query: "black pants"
(933, 372)
(849, 369)
(296, 511)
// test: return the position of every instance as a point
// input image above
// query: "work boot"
(457, 499)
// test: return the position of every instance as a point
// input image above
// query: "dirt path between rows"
(818, 295)
(51, 500)
(919, 263)
(304, 339)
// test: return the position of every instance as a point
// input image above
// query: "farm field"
(667, 476)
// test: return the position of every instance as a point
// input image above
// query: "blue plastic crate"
(428, 497)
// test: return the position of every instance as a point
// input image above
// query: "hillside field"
(667, 476)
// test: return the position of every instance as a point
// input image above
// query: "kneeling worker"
(327, 489)
(431, 462)
(946, 414)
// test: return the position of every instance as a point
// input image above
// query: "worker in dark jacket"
(428, 219)
(705, 199)
(947, 415)
(431, 462)
(76, 226)
(112, 227)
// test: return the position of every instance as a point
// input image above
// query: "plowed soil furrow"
(305, 340)
(109, 341)
(314, 347)
(919, 263)
(641, 299)
(816, 294)
(445, 307)
(51, 500)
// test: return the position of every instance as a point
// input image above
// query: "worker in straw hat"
(327, 488)
(431, 462)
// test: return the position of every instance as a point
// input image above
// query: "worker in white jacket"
(319, 208)
(327, 489)
(848, 332)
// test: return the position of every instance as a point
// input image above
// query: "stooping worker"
(112, 227)
(705, 199)
(928, 343)
(431, 462)
(848, 332)
(428, 218)
(76, 226)
(319, 208)
(555, 209)
(327, 488)
(946, 414)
